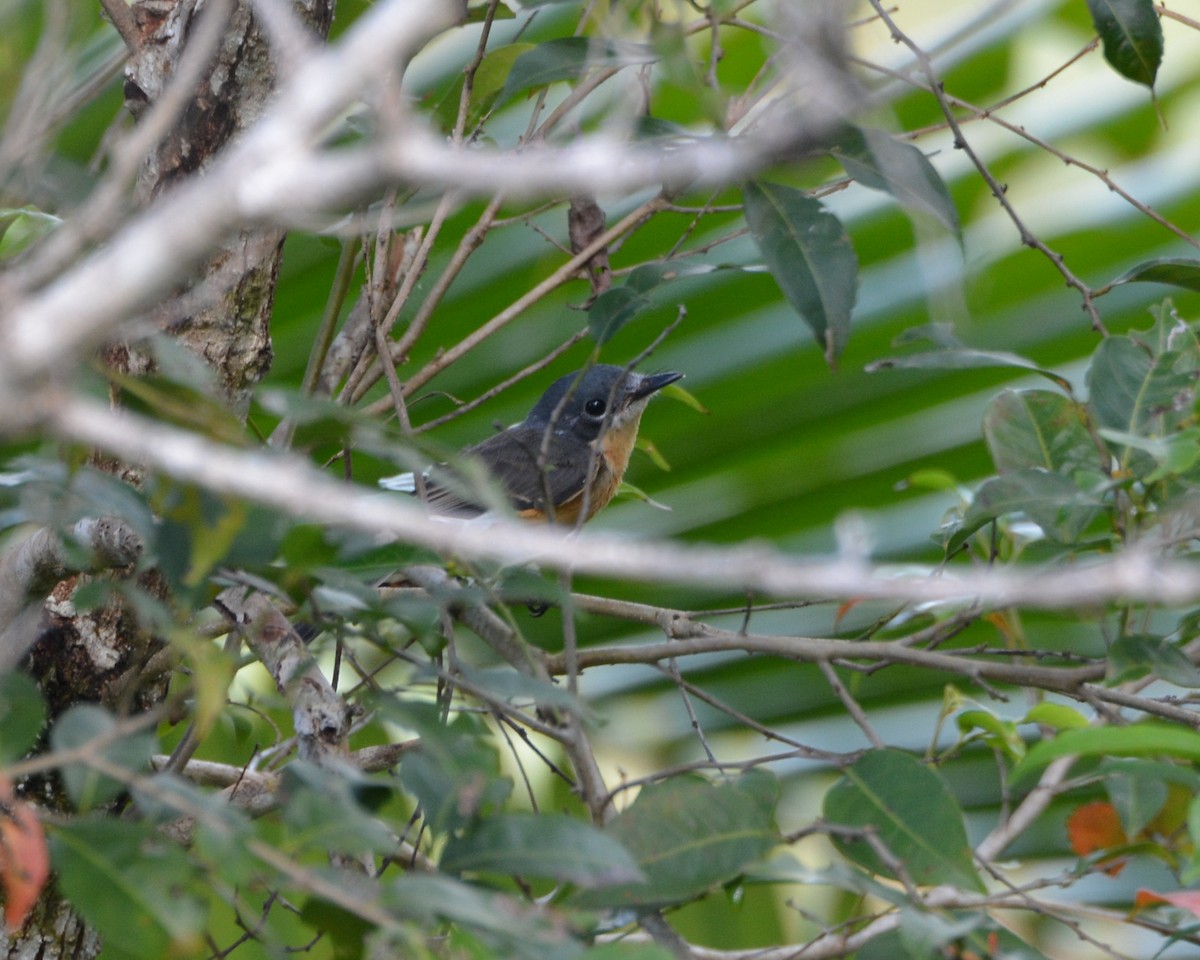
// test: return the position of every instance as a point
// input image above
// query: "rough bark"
(223, 317)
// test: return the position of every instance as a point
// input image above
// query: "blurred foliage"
(878, 365)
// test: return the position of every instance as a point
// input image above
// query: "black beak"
(652, 383)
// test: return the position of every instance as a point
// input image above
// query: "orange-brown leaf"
(24, 862)
(1096, 826)
(1185, 899)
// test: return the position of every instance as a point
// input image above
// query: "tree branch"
(294, 487)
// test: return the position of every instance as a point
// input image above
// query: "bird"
(563, 462)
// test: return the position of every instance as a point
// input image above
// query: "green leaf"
(1139, 391)
(912, 812)
(878, 160)
(22, 714)
(490, 78)
(512, 928)
(1039, 428)
(1057, 716)
(1050, 500)
(21, 227)
(92, 728)
(1134, 656)
(1136, 740)
(1132, 36)
(542, 845)
(688, 835)
(567, 59)
(132, 884)
(614, 308)
(808, 252)
(325, 810)
(952, 354)
(997, 733)
(455, 776)
(1137, 799)
(1177, 271)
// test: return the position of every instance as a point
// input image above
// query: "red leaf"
(24, 858)
(1096, 826)
(1186, 899)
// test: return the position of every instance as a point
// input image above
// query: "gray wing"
(510, 458)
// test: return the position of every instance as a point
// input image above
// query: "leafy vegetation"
(886, 649)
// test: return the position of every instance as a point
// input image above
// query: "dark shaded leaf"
(567, 59)
(333, 813)
(1132, 36)
(1177, 271)
(130, 883)
(614, 308)
(1039, 428)
(878, 160)
(454, 773)
(542, 845)
(180, 404)
(808, 252)
(1050, 500)
(687, 835)
(912, 812)
(511, 928)
(22, 714)
(1131, 657)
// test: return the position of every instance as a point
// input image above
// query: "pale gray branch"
(279, 172)
(321, 718)
(293, 486)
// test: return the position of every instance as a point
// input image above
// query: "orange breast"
(616, 446)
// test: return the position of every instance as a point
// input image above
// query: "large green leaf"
(1137, 740)
(1132, 36)
(911, 811)
(1176, 271)
(1136, 390)
(132, 884)
(1039, 428)
(1054, 502)
(809, 254)
(878, 160)
(542, 845)
(688, 835)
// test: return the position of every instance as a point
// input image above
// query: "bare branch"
(294, 487)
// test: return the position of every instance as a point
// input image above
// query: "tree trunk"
(223, 318)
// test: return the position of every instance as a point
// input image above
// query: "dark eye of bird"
(594, 407)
